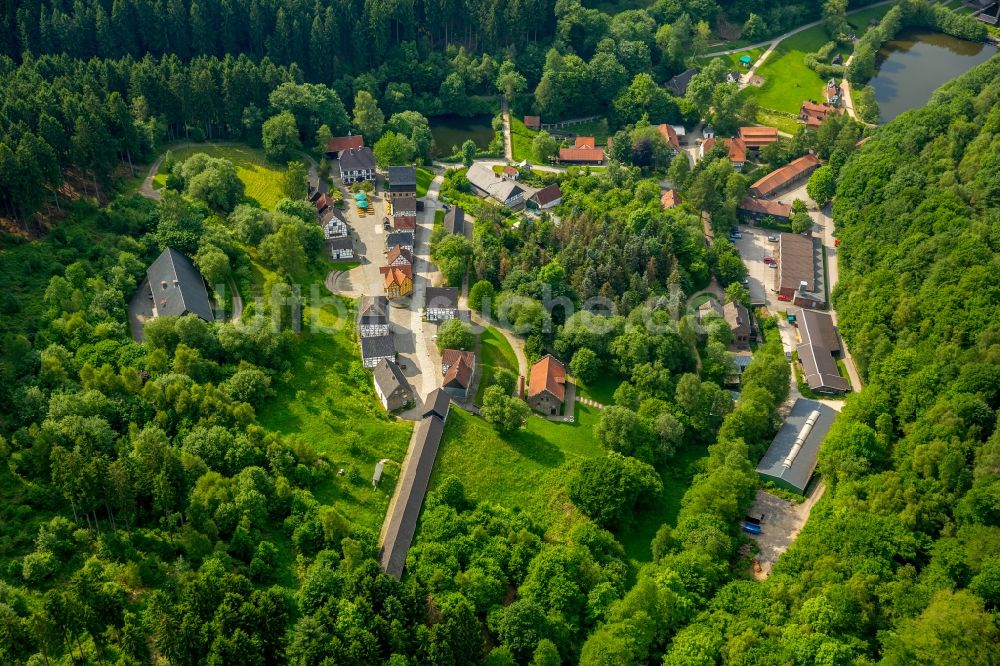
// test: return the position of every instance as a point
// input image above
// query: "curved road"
(774, 42)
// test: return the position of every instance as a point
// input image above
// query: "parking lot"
(761, 278)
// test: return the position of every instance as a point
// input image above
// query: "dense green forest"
(153, 508)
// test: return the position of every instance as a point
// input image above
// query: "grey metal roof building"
(401, 523)
(454, 221)
(177, 287)
(791, 458)
(818, 351)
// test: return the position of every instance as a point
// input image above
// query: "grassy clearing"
(328, 401)
(525, 470)
(494, 352)
(784, 122)
(601, 390)
(701, 299)
(595, 128)
(734, 58)
(787, 80)
(260, 177)
(522, 140)
(859, 21)
(677, 475)
(424, 178)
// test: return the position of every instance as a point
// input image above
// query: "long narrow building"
(401, 521)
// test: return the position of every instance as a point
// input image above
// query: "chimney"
(803, 287)
(520, 387)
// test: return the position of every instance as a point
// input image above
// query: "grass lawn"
(261, 178)
(524, 470)
(424, 178)
(601, 390)
(787, 80)
(701, 299)
(595, 128)
(734, 58)
(677, 475)
(782, 121)
(494, 352)
(860, 20)
(328, 401)
(522, 140)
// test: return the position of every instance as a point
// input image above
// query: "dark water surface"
(916, 63)
(450, 131)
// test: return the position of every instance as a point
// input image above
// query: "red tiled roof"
(548, 194)
(339, 143)
(322, 201)
(584, 142)
(548, 374)
(786, 174)
(764, 207)
(736, 148)
(581, 154)
(755, 137)
(670, 136)
(460, 366)
(396, 275)
(532, 122)
(402, 222)
(510, 171)
(670, 199)
(396, 252)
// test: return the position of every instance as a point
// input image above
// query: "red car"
(769, 260)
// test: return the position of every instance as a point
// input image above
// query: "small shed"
(746, 60)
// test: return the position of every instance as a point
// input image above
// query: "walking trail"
(508, 146)
(771, 43)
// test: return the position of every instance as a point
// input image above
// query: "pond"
(916, 63)
(451, 131)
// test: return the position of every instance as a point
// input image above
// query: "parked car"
(773, 239)
(773, 265)
(768, 260)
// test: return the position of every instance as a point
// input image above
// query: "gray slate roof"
(437, 404)
(377, 346)
(454, 220)
(357, 159)
(442, 298)
(402, 175)
(373, 311)
(679, 84)
(177, 286)
(402, 521)
(801, 469)
(389, 377)
(402, 238)
(341, 243)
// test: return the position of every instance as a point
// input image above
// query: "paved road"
(417, 353)
(496, 162)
